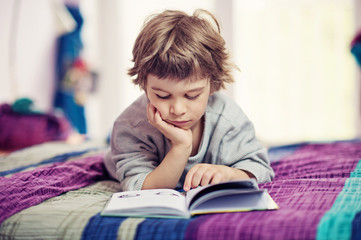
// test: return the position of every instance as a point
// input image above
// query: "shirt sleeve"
(240, 149)
(133, 154)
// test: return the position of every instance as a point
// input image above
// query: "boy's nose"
(177, 108)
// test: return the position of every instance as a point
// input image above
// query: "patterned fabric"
(317, 188)
(27, 189)
(337, 223)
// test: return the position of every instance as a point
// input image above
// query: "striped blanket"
(56, 191)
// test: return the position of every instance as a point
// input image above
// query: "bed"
(56, 190)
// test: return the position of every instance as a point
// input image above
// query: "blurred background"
(298, 80)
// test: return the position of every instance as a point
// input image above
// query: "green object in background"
(24, 106)
(356, 48)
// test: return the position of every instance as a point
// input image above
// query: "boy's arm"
(240, 156)
(240, 149)
(169, 171)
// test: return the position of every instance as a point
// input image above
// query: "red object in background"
(80, 64)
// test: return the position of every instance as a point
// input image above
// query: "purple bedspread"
(306, 185)
(26, 189)
(309, 178)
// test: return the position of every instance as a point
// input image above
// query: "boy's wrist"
(183, 149)
(243, 174)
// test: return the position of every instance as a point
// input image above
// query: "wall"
(27, 44)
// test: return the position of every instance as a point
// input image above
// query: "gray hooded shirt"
(137, 148)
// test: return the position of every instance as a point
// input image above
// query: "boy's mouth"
(179, 123)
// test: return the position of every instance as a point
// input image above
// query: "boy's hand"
(168, 172)
(178, 136)
(203, 174)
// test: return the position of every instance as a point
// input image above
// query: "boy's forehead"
(191, 79)
(187, 83)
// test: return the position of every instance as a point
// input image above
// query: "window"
(297, 79)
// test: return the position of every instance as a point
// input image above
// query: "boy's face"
(180, 103)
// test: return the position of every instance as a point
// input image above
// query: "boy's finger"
(157, 117)
(216, 179)
(150, 112)
(189, 177)
(197, 177)
(206, 179)
(187, 183)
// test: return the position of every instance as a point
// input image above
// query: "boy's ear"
(144, 88)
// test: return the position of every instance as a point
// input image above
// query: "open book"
(232, 196)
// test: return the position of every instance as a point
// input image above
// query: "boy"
(182, 133)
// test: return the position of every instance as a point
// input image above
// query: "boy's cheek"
(161, 114)
(159, 109)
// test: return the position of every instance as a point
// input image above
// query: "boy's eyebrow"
(196, 89)
(191, 90)
(157, 89)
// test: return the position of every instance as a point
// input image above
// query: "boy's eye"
(192, 97)
(162, 97)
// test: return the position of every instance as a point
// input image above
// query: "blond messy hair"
(175, 45)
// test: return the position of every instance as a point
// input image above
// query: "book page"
(147, 202)
(221, 188)
(259, 200)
